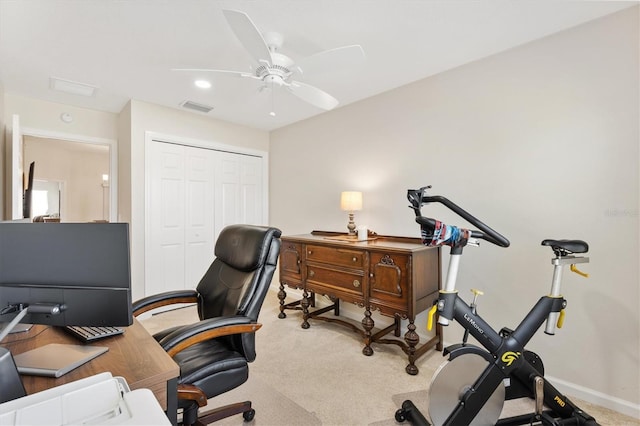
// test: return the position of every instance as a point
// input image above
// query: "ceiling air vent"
(72, 87)
(196, 106)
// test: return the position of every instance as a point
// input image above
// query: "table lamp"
(351, 201)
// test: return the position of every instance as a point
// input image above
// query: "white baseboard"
(627, 408)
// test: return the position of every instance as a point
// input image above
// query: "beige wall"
(124, 164)
(45, 115)
(538, 142)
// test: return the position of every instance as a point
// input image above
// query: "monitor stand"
(52, 360)
(14, 322)
(40, 308)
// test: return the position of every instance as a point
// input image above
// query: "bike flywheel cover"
(451, 381)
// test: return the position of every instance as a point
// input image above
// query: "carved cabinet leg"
(412, 339)
(305, 309)
(367, 324)
(281, 296)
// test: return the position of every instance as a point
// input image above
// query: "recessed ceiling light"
(203, 84)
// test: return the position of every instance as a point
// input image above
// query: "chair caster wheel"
(249, 415)
(400, 415)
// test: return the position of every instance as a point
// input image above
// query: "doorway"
(16, 161)
(70, 179)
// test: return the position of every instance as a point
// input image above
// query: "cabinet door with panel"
(389, 275)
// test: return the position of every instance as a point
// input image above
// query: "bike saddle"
(565, 247)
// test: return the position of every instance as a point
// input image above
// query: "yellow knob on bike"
(560, 319)
(477, 292)
(432, 313)
(579, 272)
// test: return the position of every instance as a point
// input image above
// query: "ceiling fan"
(276, 70)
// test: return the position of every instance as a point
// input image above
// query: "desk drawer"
(339, 281)
(336, 256)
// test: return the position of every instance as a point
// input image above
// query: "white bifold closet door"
(192, 194)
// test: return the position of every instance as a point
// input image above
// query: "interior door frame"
(113, 158)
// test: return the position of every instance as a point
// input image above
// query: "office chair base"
(228, 410)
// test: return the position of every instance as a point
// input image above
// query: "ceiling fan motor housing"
(277, 72)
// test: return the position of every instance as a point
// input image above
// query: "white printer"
(101, 400)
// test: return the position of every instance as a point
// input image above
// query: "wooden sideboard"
(397, 276)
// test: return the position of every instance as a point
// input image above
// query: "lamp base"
(352, 225)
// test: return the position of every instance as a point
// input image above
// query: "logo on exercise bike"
(509, 357)
(473, 323)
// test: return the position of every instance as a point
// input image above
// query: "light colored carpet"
(320, 377)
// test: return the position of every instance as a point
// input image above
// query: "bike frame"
(505, 350)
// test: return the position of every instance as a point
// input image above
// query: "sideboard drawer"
(330, 278)
(336, 256)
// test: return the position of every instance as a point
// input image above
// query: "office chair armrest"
(192, 393)
(201, 331)
(163, 299)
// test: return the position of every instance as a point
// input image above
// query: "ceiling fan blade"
(313, 95)
(333, 59)
(248, 34)
(238, 73)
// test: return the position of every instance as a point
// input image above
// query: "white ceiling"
(127, 47)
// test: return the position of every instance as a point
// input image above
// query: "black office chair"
(213, 354)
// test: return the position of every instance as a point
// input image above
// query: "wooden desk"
(397, 276)
(134, 355)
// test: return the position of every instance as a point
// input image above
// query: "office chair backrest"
(237, 280)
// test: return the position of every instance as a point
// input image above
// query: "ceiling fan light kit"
(277, 70)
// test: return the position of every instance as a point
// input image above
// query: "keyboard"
(89, 334)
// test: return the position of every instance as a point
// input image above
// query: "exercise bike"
(472, 384)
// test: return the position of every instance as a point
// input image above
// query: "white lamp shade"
(351, 201)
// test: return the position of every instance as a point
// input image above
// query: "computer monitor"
(83, 269)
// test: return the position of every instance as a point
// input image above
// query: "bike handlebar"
(418, 197)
